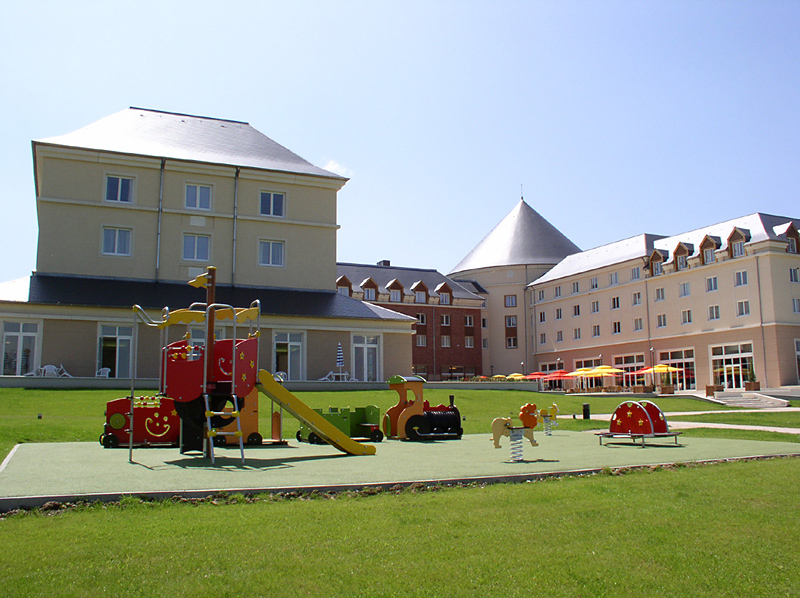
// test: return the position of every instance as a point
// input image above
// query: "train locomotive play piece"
(638, 420)
(360, 422)
(501, 426)
(414, 419)
(156, 422)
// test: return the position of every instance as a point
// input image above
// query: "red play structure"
(638, 420)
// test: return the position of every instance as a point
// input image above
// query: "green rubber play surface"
(34, 473)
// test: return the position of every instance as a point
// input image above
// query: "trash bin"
(586, 412)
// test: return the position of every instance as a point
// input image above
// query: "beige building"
(717, 303)
(136, 204)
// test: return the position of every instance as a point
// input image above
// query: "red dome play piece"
(656, 417)
(631, 418)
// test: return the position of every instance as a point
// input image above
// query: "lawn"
(702, 531)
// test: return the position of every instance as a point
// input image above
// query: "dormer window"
(656, 267)
(420, 297)
(395, 296)
(343, 291)
(444, 299)
(369, 294)
(791, 245)
(708, 256)
(737, 249)
(344, 286)
(736, 242)
(682, 262)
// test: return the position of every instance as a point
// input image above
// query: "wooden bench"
(636, 437)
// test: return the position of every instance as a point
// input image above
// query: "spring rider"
(501, 426)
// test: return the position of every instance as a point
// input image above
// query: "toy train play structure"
(208, 393)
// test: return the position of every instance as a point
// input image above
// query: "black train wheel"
(417, 428)
(376, 435)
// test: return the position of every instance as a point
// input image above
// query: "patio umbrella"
(515, 376)
(535, 376)
(557, 375)
(498, 377)
(339, 358)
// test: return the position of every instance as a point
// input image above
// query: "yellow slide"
(319, 425)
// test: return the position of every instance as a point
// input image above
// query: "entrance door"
(114, 351)
(366, 360)
(288, 352)
(19, 348)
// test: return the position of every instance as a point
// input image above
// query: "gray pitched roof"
(522, 237)
(759, 226)
(383, 275)
(106, 292)
(183, 137)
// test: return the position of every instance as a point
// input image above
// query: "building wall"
(73, 213)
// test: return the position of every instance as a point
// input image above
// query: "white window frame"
(686, 316)
(593, 283)
(123, 347)
(445, 320)
(444, 299)
(795, 305)
(557, 291)
(511, 342)
(559, 336)
(194, 257)
(794, 274)
(420, 297)
(711, 284)
(595, 307)
(21, 338)
(635, 273)
(613, 279)
(510, 300)
(595, 330)
(659, 294)
(197, 199)
(559, 313)
(682, 262)
(541, 317)
(269, 197)
(638, 324)
(422, 319)
(658, 268)
(576, 310)
(616, 328)
(542, 338)
(737, 249)
(615, 302)
(369, 294)
(684, 289)
(742, 308)
(661, 321)
(511, 321)
(708, 256)
(119, 188)
(469, 342)
(637, 298)
(576, 287)
(713, 312)
(395, 296)
(271, 260)
(576, 334)
(740, 278)
(422, 340)
(116, 250)
(469, 321)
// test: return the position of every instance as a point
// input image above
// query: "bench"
(636, 437)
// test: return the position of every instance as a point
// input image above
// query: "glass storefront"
(683, 360)
(732, 364)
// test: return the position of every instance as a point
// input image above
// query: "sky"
(611, 118)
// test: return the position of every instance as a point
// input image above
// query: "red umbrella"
(535, 376)
(558, 375)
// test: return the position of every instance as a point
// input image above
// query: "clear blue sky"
(616, 118)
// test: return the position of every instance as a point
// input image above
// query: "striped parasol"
(339, 357)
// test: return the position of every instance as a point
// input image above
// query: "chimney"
(385, 263)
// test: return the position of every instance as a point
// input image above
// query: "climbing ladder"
(212, 432)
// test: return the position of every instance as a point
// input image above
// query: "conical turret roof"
(522, 237)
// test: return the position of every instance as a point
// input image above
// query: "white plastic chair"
(50, 371)
(103, 373)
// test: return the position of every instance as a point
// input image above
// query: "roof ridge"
(227, 120)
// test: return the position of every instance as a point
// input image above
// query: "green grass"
(724, 530)
(781, 419)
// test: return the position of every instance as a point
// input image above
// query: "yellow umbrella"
(580, 372)
(515, 376)
(607, 370)
(498, 377)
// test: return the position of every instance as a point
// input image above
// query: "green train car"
(361, 422)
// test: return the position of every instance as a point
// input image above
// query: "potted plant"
(752, 382)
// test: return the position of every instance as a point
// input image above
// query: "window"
(576, 287)
(541, 316)
(422, 319)
(791, 245)
(511, 321)
(657, 268)
(711, 284)
(613, 278)
(686, 316)
(683, 263)
(743, 308)
(394, 295)
(444, 299)
(796, 306)
(576, 310)
(635, 273)
(637, 298)
(511, 300)
(713, 312)
(421, 297)
(114, 350)
(740, 279)
(595, 307)
(422, 340)
(661, 320)
(19, 347)
(369, 294)
(541, 295)
(558, 313)
(270, 253)
(660, 294)
(445, 340)
(593, 283)
(794, 274)
(557, 292)
(445, 320)
(485, 343)
(119, 189)
(738, 248)
(559, 336)
(684, 290)
(469, 321)
(708, 256)
(469, 342)
(511, 342)
(542, 338)
(576, 334)
(198, 197)
(484, 323)
(273, 204)
(616, 327)
(366, 358)
(343, 290)
(637, 324)
(596, 330)
(615, 303)
(116, 241)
